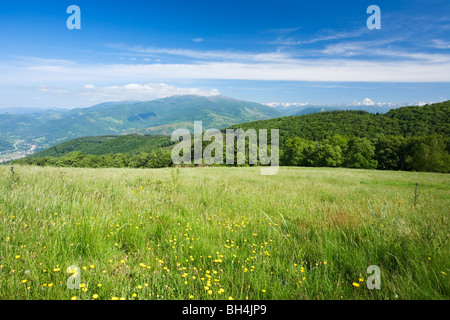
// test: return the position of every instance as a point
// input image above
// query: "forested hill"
(102, 145)
(408, 138)
(405, 121)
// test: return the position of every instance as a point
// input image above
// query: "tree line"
(428, 153)
(390, 152)
(409, 138)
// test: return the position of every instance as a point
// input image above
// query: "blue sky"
(320, 52)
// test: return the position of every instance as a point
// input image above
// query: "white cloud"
(198, 40)
(326, 35)
(43, 88)
(213, 55)
(286, 104)
(140, 92)
(372, 49)
(367, 102)
(370, 102)
(440, 44)
(406, 67)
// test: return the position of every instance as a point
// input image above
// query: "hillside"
(409, 138)
(102, 145)
(405, 121)
(51, 127)
(5, 145)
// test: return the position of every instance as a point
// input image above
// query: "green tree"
(327, 155)
(72, 159)
(118, 160)
(360, 154)
(296, 151)
(428, 154)
(390, 152)
(159, 159)
(139, 160)
(329, 152)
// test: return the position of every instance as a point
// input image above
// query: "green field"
(223, 233)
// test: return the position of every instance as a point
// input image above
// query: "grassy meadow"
(222, 233)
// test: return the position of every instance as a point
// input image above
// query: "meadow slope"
(222, 233)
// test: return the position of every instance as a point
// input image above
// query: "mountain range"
(99, 126)
(299, 109)
(42, 129)
(415, 138)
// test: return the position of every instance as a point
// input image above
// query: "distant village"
(15, 154)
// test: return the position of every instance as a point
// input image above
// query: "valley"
(47, 128)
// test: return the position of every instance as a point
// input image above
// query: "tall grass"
(219, 233)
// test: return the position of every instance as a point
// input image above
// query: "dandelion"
(134, 295)
(230, 298)
(355, 284)
(95, 296)
(210, 292)
(24, 281)
(264, 291)
(191, 296)
(74, 298)
(92, 266)
(50, 285)
(99, 285)
(17, 257)
(115, 298)
(361, 279)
